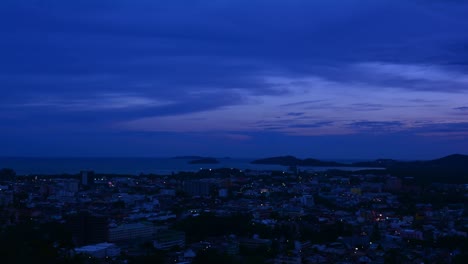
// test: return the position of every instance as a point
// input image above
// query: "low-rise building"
(101, 250)
(167, 239)
(132, 231)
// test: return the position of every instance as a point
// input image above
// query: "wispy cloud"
(312, 124)
(295, 113)
(378, 126)
(301, 103)
(413, 76)
(415, 72)
(100, 102)
(450, 130)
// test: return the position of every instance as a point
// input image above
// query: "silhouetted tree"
(29, 243)
(375, 235)
(7, 174)
(212, 256)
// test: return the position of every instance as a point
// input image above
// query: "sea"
(135, 166)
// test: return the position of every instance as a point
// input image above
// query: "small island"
(293, 161)
(204, 161)
(187, 157)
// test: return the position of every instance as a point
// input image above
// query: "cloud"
(416, 72)
(100, 102)
(301, 103)
(368, 107)
(453, 131)
(462, 108)
(295, 114)
(312, 125)
(412, 76)
(377, 126)
(447, 127)
(324, 68)
(306, 107)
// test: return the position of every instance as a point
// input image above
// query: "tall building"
(87, 178)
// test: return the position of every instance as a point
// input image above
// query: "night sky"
(240, 78)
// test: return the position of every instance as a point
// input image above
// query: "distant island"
(457, 160)
(452, 168)
(204, 161)
(293, 161)
(189, 157)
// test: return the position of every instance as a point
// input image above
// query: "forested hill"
(449, 169)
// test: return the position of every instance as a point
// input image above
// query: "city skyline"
(325, 79)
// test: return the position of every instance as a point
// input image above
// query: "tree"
(7, 174)
(391, 256)
(212, 256)
(29, 243)
(207, 224)
(19, 199)
(375, 235)
(148, 247)
(119, 204)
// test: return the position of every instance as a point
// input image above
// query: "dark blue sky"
(242, 78)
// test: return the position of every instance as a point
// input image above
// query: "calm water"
(27, 166)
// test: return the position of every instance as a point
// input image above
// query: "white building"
(101, 250)
(132, 231)
(167, 239)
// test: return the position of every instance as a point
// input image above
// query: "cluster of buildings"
(291, 217)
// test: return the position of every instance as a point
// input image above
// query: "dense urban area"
(232, 216)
